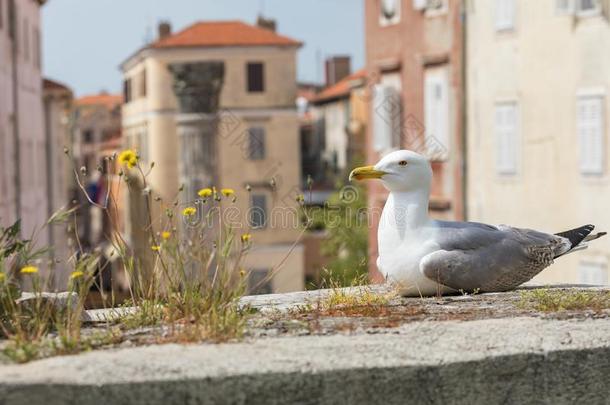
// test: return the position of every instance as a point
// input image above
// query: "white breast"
(400, 253)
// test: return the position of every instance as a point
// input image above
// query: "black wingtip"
(576, 235)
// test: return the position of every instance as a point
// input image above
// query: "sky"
(86, 40)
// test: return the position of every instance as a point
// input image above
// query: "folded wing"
(475, 256)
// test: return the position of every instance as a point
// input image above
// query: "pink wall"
(32, 169)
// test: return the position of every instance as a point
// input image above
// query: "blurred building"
(414, 54)
(342, 112)
(538, 113)
(23, 160)
(57, 106)
(333, 122)
(96, 136)
(214, 104)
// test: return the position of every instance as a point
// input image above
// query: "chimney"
(165, 29)
(337, 68)
(266, 23)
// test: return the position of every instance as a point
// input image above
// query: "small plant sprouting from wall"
(184, 272)
(547, 300)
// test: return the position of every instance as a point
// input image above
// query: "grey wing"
(476, 256)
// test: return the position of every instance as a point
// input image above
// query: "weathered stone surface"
(454, 350)
(523, 360)
(60, 300)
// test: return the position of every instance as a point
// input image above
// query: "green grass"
(552, 300)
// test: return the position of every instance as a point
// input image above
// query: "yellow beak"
(365, 172)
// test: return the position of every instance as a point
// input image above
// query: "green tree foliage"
(344, 219)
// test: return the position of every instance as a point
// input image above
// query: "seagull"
(425, 257)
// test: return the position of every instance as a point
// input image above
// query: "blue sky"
(85, 40)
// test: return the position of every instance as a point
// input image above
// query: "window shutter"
(384, 117)
(588, 7)
(507, 139)
(436, 112)
(258, 211)
(591, 134)
(563, 7)
(505, 14)
(256, 143)
(255, 77)
(419, 4)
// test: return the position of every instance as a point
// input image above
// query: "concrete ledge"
(510, 360)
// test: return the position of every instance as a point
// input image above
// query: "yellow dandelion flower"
(155, 248)
(189, 211)
(29, 270)
(76, 274)
(205, 192)
(2, 277)
(128, 158)
(245, 238)
(165, 235)
(227, 192)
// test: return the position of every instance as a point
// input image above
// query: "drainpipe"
(463, 22)
(49, 156)
(15, 77)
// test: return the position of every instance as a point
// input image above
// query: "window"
(436, 110)
(507, 134)
(142, 90)
(127, 90)
(419, 4)
(505, 15)
(595, 273)
(387, 113)
(142, 148)
(436, 7)
(590, 126)
(389, 12)
(259, 282)
(88, 136)
(563, 7)
(12, 20)
(258, 211)
(256, 143)
(588, 7)
(37, 50)
(256, 77)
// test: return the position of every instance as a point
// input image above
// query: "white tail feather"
(581, 246)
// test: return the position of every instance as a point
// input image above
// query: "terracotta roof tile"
(340, 89)
(224, 33)
(103, 99)
(49, 84)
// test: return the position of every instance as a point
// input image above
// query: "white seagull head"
(399, 171)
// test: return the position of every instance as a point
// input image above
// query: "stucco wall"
(541, 64)
(30, 121)
(274, 109)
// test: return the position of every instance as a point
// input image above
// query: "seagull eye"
(402, 163)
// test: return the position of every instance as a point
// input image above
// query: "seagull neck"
(411, 206)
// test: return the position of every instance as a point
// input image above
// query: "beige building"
(538, 75)
(214, 104)
(342, 109)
